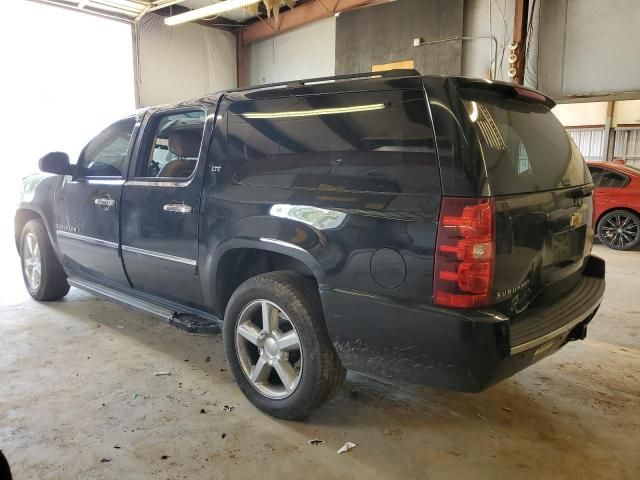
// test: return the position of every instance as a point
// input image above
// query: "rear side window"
(525, 147)
(174, 145)
(374, 142)
(596, 174)
(613, 180)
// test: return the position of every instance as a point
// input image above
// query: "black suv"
(427, 229)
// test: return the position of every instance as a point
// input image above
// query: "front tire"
(278, 348)
(620, 230)
(43, 275)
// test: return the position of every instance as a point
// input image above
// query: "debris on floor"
(117, 446)
(208, 359)
(393, 432)
(202, 410)
(346, 447)
(227, 408)
(506, 409)
(105, 460)
(161, 374)
(223, 435)
(315, 442)
(164, 457)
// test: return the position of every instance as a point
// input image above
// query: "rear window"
(367, 142)
(525, 147)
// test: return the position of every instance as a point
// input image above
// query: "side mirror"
(56, 162)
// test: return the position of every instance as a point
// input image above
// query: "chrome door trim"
(155, 183)
(84, 238)
(163, 256)
(103, 180)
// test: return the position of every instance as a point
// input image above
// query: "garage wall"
(589, 47)
(575, 45)
(627, 113)
(305, 52)
(182, 62)
(310, 51)
(581, 114)
(477, 55)
(385, 33)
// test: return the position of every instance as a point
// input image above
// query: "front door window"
(106, 154)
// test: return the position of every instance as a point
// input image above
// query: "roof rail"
(334, 78)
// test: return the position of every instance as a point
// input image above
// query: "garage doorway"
(65, 76)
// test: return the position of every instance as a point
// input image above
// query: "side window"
(613, 180)
(173, 145)
(596, 175)
(373, 142)
(105, 155)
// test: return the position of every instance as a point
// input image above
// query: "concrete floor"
(77, 386)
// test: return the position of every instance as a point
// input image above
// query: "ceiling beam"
(296, 17)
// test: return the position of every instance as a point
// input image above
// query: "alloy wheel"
(269, 349)
(620, 231)
(32, 261)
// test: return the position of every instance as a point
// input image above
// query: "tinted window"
(613, 180)
(525, 147)
(378, 142)
(174, 145)
(596, 174)
(106, 154)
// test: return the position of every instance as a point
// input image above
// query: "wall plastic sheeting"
(182, 62)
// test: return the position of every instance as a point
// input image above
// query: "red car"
(617, 204)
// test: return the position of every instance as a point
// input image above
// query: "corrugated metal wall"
(627, 145)
(590, 141)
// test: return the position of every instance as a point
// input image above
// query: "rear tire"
(287, 366)
(43, 275)
(619, 230)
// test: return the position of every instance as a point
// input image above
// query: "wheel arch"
(24, 215)
(247, 259)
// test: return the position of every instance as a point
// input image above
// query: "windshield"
(525, 147)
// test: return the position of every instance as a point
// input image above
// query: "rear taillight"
(465, 251)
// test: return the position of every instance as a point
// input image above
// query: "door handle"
(105, 202)
(178, 208)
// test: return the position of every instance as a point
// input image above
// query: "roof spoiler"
(509, 90)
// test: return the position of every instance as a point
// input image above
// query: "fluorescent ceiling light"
(313, 113)
(215, 9)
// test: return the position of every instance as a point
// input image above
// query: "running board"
(183, 320)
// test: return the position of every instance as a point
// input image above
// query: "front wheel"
(277, 345)
(620, 230)
(43, 275)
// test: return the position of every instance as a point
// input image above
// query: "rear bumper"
(455, 349)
